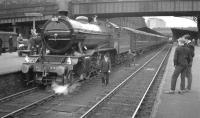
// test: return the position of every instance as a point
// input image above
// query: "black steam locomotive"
(72, 49)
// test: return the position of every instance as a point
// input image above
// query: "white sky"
(172, 21)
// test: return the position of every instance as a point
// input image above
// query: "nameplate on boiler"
(54, 39)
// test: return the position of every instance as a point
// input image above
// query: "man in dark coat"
(105, 69)
(182, 58)
(1, 42)
(190, 45)
(10, 41)
(130, 58)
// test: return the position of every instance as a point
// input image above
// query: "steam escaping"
(64, 89)
(60, 89)
(26, 59)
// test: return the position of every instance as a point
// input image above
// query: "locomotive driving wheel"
(93, 69)
(28, 79)
(39, 81)
(68, 78)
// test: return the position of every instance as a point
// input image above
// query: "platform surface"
(10, 62)
(186, 105)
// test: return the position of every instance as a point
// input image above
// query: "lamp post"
(34, 15)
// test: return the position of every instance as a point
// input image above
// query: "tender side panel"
(124, 41)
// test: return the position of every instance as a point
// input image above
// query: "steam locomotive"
(72, 49)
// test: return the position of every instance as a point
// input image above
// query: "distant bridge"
(138, 8)
(12, 12)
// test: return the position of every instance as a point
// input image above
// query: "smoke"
(64, 89)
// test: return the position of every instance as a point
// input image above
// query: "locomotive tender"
(72, 49)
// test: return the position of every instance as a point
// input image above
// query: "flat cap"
(182, 40)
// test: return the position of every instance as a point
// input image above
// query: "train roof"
(148, 30)
(141, 32)
(136, 31)
(4, 32)
(113, 24)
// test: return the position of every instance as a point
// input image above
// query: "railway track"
(18, 103)
(75, 104)
(125, 100)
(20, 106)
(16, 95)
(78, 102)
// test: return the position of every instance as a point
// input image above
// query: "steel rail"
(28, 106)
(17, 94)
(156, 74)
(93, 108)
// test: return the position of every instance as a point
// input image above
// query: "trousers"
(178, 70)
(189, 77)
(105, 78)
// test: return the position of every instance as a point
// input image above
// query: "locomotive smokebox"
(57, 33)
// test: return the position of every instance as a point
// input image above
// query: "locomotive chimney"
(63, 7)
(63, 13)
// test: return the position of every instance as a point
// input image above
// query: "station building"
(156, 22)
(18, 15)
(21, 16)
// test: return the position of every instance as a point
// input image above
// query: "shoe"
(181, 91)
(170, 92)
(187, 90)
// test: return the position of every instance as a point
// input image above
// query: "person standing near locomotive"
(131, 57)
(182, 58)
(105, 69)
(0, 46)
(190, 45)
(10, 41)
(34, 43)
(31, 40)
(20, 39)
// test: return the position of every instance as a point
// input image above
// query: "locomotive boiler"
(71, 50)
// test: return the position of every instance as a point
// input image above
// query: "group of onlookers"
(20, 41)
(10, 44)
(183, 58)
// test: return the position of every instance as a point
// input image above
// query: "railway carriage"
(140, 41)
(72, 49)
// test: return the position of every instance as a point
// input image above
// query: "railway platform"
(10, 62)
(186, 105)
